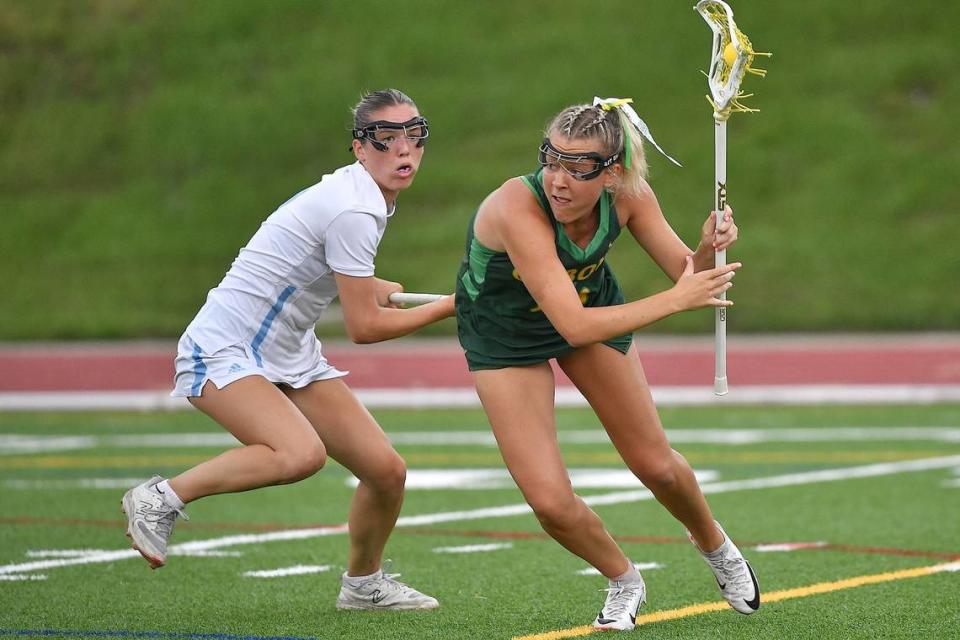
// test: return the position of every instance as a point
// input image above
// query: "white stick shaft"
(720, 201)
(414, 298)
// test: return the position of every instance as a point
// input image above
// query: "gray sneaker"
(619, 612)
(149, 521)
(381, 591)
(734, 575)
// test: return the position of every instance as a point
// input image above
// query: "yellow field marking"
(774, 596)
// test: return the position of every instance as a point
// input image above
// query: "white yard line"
(475, 548)
(640, 566)
(64, 553)
(817, 394)
(112, 484)
(78, 553)
(296, 570)
(788, 546)
(25, 567)
(21, 444)
(620, 497)
(473, 479)
(711, 436)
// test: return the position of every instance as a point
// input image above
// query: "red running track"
(915, 359)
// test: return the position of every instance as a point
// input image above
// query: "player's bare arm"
(511, 218)
(368, 320)
(642, 215)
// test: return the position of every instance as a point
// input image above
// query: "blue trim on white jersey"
(199, 370)
(267, 321)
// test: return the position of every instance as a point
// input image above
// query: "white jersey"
(271, 298)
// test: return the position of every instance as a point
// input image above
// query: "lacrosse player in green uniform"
(535, 286)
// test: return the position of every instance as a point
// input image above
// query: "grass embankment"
(143, 143)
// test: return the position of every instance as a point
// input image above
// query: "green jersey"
(498, 321)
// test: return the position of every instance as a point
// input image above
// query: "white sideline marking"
(251, 538)
(64, 553)
(474, 548)
(206, 554)
(814, 434)
(443, 437)
(78, 483)
(66, 562)
(954, 483)
(640, 566)
(711, 436)
(788, 546)
(296, 570)
(619, 497)
(499, 478)
(80, 553)
(817, 394)
(13, 444)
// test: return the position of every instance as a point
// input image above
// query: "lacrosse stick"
(731, 59)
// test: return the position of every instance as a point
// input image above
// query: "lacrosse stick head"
(731, 59)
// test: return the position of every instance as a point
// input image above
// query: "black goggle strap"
(548, 151)
(367, 131)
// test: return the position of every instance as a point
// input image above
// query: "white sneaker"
(619, 612)
(381, 591)
(149, 521)
(734, 576)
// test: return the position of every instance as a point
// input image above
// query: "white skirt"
(193, 368)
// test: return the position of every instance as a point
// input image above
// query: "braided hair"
(587, 122)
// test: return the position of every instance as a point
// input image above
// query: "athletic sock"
(375, 574)
(169, 495)
(718, 551)
(632, 575)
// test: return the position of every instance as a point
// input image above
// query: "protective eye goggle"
(382, 134)
(581, 166)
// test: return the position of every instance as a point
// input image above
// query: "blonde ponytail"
(634, 161)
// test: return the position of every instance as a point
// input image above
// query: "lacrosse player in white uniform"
(251, 361)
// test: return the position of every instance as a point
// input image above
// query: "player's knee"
(554, 511)
(302, 462)
(661, 476)
(389, 477)
(393, 475)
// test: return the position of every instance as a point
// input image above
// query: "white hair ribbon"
(624, 104)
